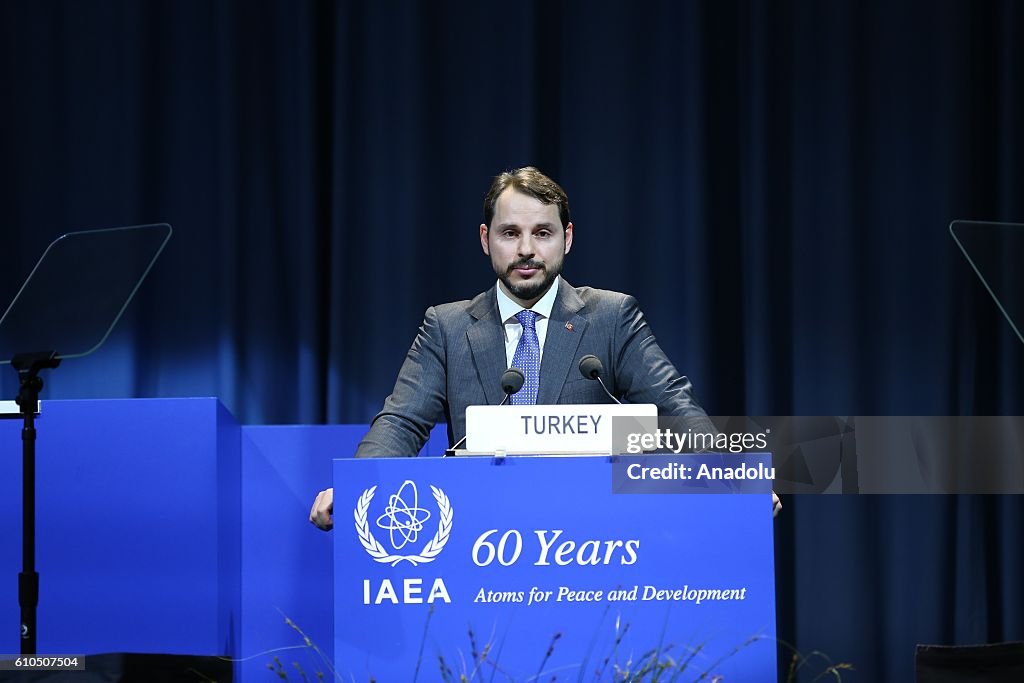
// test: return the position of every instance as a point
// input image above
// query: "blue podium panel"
(286, 567)
(286, 563)
(138, 548)
(533, 569)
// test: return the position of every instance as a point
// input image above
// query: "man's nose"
(526, 247)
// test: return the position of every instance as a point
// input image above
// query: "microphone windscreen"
(591, 366)
(512, 380)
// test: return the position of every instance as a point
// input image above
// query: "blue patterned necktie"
(527, 359)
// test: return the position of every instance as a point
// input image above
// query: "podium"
(533, 568)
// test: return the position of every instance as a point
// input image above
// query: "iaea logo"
(404, 519)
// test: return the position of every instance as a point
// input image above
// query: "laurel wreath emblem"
(429, 552)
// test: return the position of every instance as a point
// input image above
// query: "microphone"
(512, 381)
(591, 367)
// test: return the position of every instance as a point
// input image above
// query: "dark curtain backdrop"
(772, 180)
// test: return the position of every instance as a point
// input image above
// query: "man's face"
(526, 244)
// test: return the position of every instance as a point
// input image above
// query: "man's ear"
(568, 238)
(483, 239)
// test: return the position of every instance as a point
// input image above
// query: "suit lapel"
(561, 342)
(487, 343)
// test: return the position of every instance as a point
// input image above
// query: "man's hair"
(529, 181)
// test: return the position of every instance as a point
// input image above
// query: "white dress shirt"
(507, 309)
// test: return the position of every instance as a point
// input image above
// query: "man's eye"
(544, 233)
(509, 234)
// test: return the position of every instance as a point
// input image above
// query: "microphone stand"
(509, 385)
(451, 451)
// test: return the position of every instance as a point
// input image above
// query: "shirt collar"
(508, 308)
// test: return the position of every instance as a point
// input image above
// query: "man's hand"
(776, 504)
(323, 509)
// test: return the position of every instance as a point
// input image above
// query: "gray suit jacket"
(459, 355)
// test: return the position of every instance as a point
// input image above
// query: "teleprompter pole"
(28, 366)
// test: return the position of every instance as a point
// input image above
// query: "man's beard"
(533, 288)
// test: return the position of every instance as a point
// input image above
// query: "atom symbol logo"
(403, 519)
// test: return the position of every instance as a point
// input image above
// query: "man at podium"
(531, 319)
